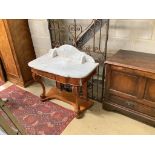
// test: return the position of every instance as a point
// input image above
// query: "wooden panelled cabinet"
(130, 85)
(16, 50)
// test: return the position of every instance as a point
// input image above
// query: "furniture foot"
(47, 99)
(79, 115)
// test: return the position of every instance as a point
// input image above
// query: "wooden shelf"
(69, 98)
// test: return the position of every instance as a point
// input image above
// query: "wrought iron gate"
(91, 38)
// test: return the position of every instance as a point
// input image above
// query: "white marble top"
(65, 61)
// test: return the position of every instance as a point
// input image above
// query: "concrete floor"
(96, 121)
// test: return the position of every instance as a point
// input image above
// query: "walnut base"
(80, 103)
(69, 98)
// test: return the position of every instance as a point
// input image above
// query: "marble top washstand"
(65, 61)
(65, 65)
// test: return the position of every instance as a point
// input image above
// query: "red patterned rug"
(1, 83)
(35, 116)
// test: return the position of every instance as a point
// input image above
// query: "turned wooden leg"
(77, 108)
(38, 79)
(84, 90)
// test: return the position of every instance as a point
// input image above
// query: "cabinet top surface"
(135, 60)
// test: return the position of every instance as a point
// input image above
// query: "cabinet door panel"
(124, 82)
(150, 90)
(6, 52)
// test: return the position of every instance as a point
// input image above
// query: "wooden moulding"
(61, 79)
(110, 106)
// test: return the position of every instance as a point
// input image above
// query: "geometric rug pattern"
(36, 117)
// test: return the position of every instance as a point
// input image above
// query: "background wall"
(40, 36)
(138, 35)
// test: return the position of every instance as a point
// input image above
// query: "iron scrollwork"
(88, 39)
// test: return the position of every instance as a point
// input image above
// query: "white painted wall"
(40, 35)
(41, 39)
(138, 35)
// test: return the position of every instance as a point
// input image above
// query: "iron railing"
(91, 39)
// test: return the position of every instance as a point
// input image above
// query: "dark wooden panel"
(129, 112)
(133, 71)
(2, 74)
(130, 85)
(22, 43)
(123, 82)
(150, 90)
(16, 50)
(134, 60)
(6, 52)
(133, 105)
